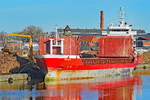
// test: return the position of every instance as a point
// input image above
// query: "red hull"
(77, 64)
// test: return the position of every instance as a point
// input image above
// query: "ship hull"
(85, 74)
(73, 67)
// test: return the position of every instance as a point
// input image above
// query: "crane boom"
(22, 35)
(30, 44)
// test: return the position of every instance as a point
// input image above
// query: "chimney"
(102, 21)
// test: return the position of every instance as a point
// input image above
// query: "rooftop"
(93, 31)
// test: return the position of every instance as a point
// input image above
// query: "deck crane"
(30, 43)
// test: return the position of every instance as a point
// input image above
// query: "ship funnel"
(102, 21)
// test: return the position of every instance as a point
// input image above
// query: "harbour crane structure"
(22, 35)
(30, 43)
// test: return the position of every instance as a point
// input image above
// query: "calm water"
(114, 88)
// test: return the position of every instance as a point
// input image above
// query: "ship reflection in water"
(114, 88)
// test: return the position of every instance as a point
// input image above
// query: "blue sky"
(15, 15)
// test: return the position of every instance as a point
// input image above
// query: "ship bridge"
(123, 29)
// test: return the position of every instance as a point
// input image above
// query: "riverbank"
(7, 62)
(144, 68)
(13, 66)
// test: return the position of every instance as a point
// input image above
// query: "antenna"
(121, 16)
(56, 36)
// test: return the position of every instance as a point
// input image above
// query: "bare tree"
(34, 31)
(3, 39)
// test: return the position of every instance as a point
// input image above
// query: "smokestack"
(102, 21)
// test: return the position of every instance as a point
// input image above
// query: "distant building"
(143, 41)
(35, 46)
(15, 44)
(94, 32)
(88, 43)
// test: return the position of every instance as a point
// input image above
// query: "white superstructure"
(123, 29)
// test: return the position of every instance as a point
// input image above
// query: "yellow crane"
(30, 43)
(22, 35)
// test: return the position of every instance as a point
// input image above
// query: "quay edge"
(13, 77)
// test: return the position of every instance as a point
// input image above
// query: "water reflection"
(114, 88)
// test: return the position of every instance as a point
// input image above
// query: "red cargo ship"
(116, 55)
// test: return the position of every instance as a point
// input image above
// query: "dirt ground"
(146, 57)
(7, 62)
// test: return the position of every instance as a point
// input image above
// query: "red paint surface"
(43, 43)
(115, 46)
(109, 46)
(71, 46)
(77, 64)
(140, 58)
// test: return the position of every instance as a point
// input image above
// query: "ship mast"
(56, 36)
(121, 16)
